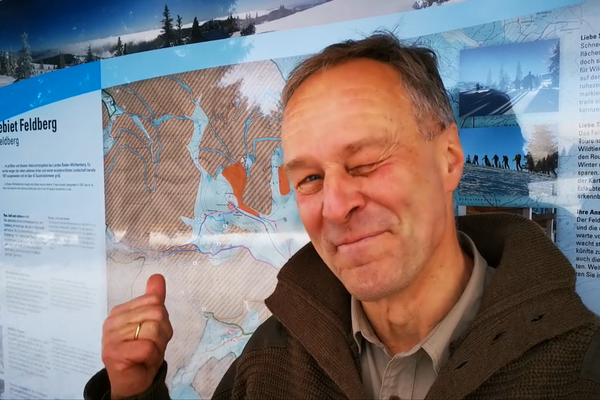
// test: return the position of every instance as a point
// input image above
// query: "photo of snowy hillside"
(515, 78)
(346, 10)
(90, 31)
(20, 66)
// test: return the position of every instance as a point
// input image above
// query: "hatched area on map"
(195, 190)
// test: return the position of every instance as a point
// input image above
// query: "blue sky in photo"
(475, 63)
(55, 23)
(502, 140)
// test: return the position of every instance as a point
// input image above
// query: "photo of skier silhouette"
(505, 161)
(517, 78)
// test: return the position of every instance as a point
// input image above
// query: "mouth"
(356, 239)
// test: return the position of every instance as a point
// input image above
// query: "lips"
(355, 239)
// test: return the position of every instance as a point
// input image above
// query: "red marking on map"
(236, 176)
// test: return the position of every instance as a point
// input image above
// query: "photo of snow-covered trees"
(31, 44)
(515, 78)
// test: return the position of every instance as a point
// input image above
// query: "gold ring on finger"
(137, 331)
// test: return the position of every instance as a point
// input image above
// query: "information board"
(156, 149)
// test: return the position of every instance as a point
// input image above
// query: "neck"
(403, 320)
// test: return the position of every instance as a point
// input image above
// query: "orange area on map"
(284, 185)
(236, 176)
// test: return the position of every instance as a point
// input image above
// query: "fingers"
(158, 332)
(155, 295)
(157, 286)
(141, 301)
(120, 348)
(135, 316)
(131, 362)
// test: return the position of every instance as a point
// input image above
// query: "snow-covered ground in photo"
(331, 12)
(103, 47)
(339, 11)
(6, 80)
(38, 69)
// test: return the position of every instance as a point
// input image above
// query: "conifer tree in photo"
(554, 64)
(25, 67)
(89, 56)
(61, 61)
(196, 35)
(119, 49)
(179, 30)
(168, 31)
(11, 66)
(3, 63)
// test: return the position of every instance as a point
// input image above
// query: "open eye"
(310, 184)
(310, 178)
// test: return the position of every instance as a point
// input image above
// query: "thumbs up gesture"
(134, 340)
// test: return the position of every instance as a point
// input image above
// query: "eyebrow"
(349, 150)
(296, 163)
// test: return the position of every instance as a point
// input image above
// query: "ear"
(453, 158)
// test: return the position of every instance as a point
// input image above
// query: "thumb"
(156, 285)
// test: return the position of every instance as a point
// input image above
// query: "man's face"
(373, 194)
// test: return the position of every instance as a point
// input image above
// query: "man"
(394, 297)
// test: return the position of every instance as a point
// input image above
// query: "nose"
(341, 197)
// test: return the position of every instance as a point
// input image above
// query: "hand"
(133, 363)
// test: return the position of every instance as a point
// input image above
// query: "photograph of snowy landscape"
(510, 161)
(63, 34)
(516, 78)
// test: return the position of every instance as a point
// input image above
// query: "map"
(195, 190)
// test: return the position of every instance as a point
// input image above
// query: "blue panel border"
(48, 88)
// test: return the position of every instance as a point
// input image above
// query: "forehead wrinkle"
(352, 75)
(372, 121)
(366, 103)
(336, 84)
(363, 94)
(336, 99)
(366, 97)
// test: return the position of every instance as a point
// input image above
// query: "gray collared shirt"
(409, 375)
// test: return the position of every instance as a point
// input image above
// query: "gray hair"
(417, 67)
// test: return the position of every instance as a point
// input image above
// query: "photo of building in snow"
(516, 78)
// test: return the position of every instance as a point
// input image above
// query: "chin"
(368, 294)
(365, 284)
